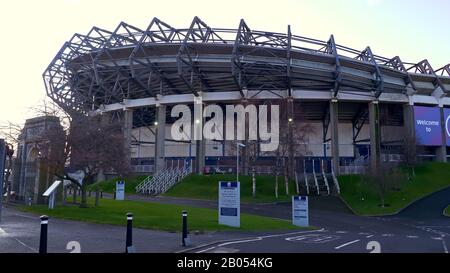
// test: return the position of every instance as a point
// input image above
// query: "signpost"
(2, 172)
(229, 204)
(300, 211)
(120, 190)
(51, 193)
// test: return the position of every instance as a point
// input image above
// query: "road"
(420, 228)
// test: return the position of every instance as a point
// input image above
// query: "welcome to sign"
(428, 126)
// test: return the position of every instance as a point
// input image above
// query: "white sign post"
(300, 211)
(50, 193)
(230, 204)
(120, 190)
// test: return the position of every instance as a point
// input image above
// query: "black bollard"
(185, 239)
(43, 239)
(129, 240)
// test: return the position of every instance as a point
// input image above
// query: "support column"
(127, 129)
(198, 135)
(375, 136)
(334, 126)
(410, 132)
(442, 150)
(160, 138)
(290, 121)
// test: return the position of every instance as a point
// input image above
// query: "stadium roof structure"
(132, 67)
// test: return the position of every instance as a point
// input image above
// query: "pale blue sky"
(33, 31)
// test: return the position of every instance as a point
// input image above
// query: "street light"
(237, 159)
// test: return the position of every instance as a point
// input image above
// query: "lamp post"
(237, 159)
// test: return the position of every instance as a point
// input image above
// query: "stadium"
(361, 108)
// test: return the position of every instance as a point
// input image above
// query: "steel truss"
(106, 67)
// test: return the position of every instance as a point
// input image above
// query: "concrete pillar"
(160, 138)
(290, 122)
(375, 136)
(198, 135)
(127, 129)
(410, 131)
(442, 150)
(334, 128)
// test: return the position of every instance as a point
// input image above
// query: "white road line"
(25, 245)
(412, 236)
(370, 236)
(346, 244)
(341, 232)
(387, 235)
(255, 239)
(444, 245)
(3, 232)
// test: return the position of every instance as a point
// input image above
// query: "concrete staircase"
(317, 182)
(162, 181)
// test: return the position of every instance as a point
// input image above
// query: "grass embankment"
(206, 187)
(447, 211)
(156, 216)
(110, 184)
(362, 196)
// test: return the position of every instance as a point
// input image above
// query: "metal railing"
(164, 180)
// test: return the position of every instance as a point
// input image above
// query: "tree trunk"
(74, 194)
(286, 183)
(97, 196)
(276, 186)
(253, 183)
(64, 196)
(83, 203)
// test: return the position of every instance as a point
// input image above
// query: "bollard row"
(129, 248)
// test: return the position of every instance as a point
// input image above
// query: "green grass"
(447, 211)
(156, 216)
(206, 187)
(362, 196)
(109, 185)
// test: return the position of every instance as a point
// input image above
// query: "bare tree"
(386, 178)
(301, 130)
(91, 145)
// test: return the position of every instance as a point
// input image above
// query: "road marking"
(225, 250)
(341, 232)
(313, 238)
(363, 233)
(3, 232)
(388, 235)
(255, 239)
(444, 245)
(346, 244)
(370, 236)
(412, 236)
(25, 245)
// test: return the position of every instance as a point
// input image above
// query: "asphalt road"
(420, 228)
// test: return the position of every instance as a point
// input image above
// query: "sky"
(32, 32)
